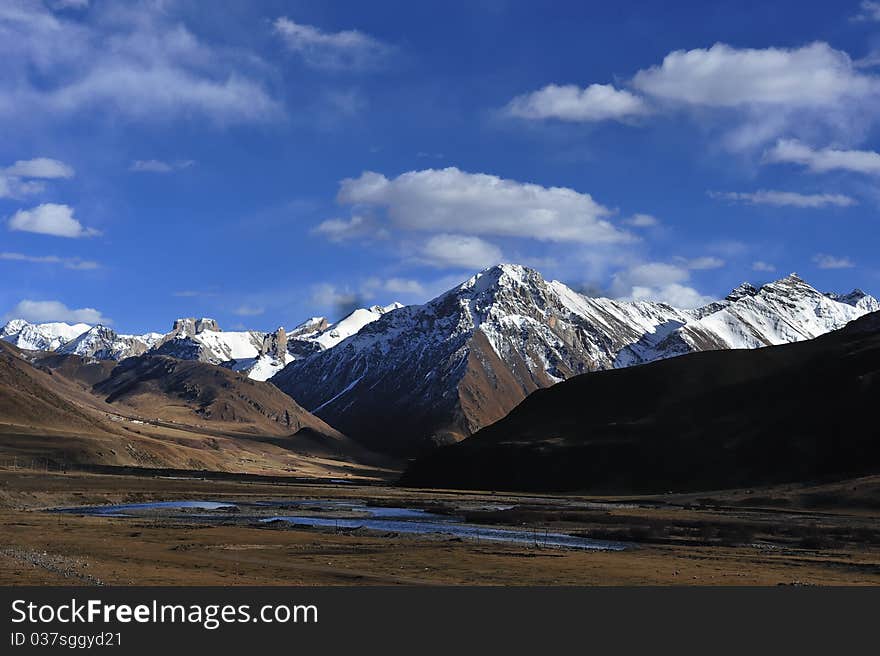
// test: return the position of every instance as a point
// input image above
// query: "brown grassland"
(822, 535)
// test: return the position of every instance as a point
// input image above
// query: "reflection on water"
(132, 508)
(348, 515)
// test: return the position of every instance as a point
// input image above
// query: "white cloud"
(397, 286)
(404, 286)
(463, 251)
(40, 167)
(824, 261)
(755, 95)
(815, 75)
(785, 198)
(675, 294)
(25, 176)
(597, 102)
(43, 311)
(824, 159)
(342, 300)
(869, 12)
(357, 227)
(760, 265)
(657, 281)
(650, 274)
(450, 200)
(871, 60)
(642, 221)
(702, 263)
(249, 310)
(67, 262)
(332, 50)
(50, 219)
(11, 187)
(159, 166)
(131, 60)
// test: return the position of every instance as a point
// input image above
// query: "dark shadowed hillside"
(706, 420)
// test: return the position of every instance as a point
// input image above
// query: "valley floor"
(826, 535)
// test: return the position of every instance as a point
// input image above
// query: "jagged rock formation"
(258, 354)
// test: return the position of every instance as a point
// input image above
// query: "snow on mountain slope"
(12, 328)
(311, 327)
(351, 324)
(469, 355)
(780, 312)
(103, 343)
(232, 345)
(256, 353)
(40, 336)
(437, 372)
(858, 299)
(202, 339)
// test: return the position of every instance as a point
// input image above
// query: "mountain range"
(404, 379)
(435, 373)
(257, 354)
(712, 420)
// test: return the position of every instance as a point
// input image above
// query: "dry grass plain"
(826, 535)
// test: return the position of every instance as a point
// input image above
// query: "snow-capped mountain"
(103, 343)
(276, 350)
(280, 348)
(780, 312)
(437, 372)
(203, 340)
(351, 324)
(311, 327)
(398, 377)
(40, 336)
(858, 299)
(260, 355)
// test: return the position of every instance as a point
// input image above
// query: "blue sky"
(262, 162)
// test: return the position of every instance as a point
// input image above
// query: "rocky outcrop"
(274, 343)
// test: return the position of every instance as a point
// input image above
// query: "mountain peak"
(792, 283)
(791, 277)
(741, 291)
(13, 327)
(496, 277)
(510, 271)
